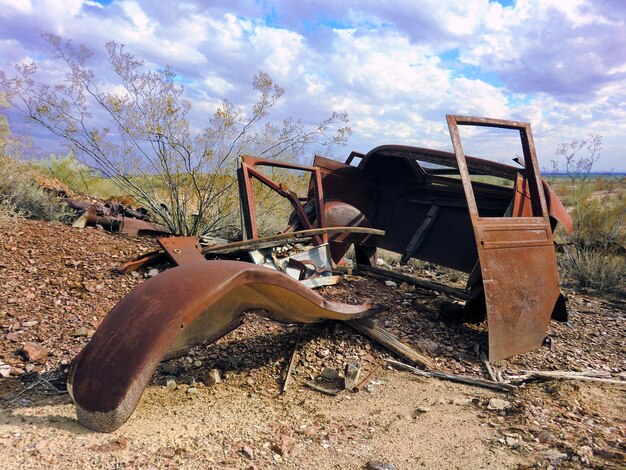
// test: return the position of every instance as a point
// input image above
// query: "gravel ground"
(58, 283)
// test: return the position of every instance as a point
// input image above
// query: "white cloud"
(553, 63)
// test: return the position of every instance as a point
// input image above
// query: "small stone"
(153, 272)
(391, 284)
(197, 363)
(248, 452)
(462, 401)
(35, 352)
(13, 337)
(351, 375)
(171, 384)
(284, 445)
(112, 446)
(323, 353)
(192, 391)
(5, 370)
(82, 331)
(330, 374)
(420, 410)
(554, 456)
(134, 274)
(405, 287)
(171, 369)
(498, 404)
(378, 465)
(512, 441)
(545, 437)
(28, 324)
(212, 377)
(427, 345)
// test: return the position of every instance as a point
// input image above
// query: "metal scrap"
(408, 200)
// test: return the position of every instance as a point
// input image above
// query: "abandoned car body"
(407, 200)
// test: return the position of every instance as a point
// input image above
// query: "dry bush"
(20, 195)
(593, 255)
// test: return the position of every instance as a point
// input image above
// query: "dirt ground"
(58, 283)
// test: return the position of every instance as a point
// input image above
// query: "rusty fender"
(182, 307)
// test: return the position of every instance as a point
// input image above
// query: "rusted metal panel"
(517, 258)
(182, 307)
(247, 171)
(182, 250)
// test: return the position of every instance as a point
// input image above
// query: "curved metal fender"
(166, 315)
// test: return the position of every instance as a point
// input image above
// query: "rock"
(153, 272)
(545, 437)
(34, 352)
(405, 287)
(248, 451)
(171, 369)
(329, 374)
(224, 363)
(82, 331)
(323, 353)
(212, 377)
(513, 442)
(112, 446)
(171, 384)
(351, 375)
(13, 337)
(378, 465)
(5, 370)
(498, 404)
(421, 410)
(427, 345)
(391, 284)
(197, 363)
(284, 445)
(192, 391)
(554, 456)
(463, 401)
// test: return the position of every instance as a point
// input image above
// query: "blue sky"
(397, 69)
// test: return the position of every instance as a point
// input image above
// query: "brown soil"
(58, 283)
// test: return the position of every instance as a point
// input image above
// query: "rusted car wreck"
(417, 202)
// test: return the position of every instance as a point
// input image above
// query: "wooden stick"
(485, 362)
(369, 376)
(390, 341)
(284, 238)
(321, 389)
(428, 285)
(589, 376)
(292, 361)
(500, 387)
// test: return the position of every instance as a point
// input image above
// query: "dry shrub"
(21, 196)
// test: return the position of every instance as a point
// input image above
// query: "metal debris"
(408, 200)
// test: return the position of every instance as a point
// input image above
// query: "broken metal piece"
(292, 362)
(180, 308)
(363, 383)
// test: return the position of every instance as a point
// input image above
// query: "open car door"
(516, 252)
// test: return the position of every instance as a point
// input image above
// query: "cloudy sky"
(397, 66)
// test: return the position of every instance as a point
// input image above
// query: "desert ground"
(58, 282)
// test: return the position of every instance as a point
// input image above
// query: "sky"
(396, 66)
